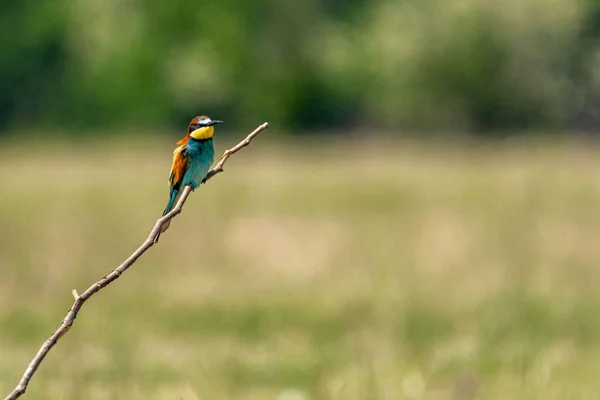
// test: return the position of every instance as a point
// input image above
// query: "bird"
(192, 159)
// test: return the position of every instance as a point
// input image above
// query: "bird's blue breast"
(201, 155)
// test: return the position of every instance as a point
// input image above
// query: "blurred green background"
(419, 221)
(311, 65)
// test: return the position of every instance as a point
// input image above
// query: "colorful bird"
(192, 159)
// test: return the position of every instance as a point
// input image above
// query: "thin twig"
(228, 153)
(114, 274)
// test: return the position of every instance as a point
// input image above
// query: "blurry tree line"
(479, 65)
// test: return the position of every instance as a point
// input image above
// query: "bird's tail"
(169, 207)
(172, 200)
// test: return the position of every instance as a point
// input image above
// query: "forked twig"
(69, 319)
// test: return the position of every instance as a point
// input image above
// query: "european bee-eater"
(192, 159)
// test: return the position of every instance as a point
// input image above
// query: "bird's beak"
(213, 122)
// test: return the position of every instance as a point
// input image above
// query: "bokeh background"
(419, 222)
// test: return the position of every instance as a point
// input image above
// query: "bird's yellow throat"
(206, 132)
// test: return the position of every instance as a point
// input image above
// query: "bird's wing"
(180, 165)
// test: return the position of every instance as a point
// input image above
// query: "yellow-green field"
(384, 271)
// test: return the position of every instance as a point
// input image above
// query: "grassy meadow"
(356, 271)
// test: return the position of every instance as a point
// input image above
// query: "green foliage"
(313, 64)
(33, 49)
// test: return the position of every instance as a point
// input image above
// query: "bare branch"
(228, 153)
(114, 274)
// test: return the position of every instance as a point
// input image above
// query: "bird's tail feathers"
(172, 200)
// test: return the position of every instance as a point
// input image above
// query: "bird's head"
(201, 127)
